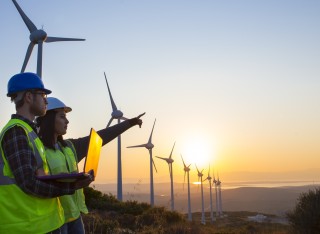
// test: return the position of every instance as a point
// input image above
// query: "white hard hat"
(55, 103)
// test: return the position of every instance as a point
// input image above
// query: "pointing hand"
(137, 120)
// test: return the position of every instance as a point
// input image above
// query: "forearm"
(23, 166)
(33, 186)
(107, 135)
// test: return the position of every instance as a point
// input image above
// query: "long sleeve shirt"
(22, 162)
(107, 135)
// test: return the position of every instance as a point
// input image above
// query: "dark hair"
(46, 130)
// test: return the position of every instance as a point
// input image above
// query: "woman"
(64, 155)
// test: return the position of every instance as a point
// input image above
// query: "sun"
(197, 151)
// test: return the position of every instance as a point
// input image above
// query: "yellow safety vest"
(21, 212)
(65, 161)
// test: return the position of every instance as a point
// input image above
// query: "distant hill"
(275, 201)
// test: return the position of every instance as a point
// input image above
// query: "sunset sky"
(236, 84)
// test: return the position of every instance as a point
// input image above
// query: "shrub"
(134, 208)
(99, 201)
(305, 218)
(95, 223)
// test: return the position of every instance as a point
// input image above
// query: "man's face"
(39, 103)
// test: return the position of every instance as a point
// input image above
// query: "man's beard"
(37, 110)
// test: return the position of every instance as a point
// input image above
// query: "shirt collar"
(32, 124)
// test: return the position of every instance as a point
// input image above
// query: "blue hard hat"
(25, 81)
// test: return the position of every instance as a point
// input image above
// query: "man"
(27, 204)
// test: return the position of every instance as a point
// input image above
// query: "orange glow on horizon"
(198, 151)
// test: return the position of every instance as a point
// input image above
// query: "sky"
(234, 83)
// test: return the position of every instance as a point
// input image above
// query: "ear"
(28, 98)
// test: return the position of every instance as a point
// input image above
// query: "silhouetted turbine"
(209, 178)
(118, 115)
(149, 146)
(217, 195)
(200, 175)
(37, 36)
(186, 171)
(170, 161)
(220, 199)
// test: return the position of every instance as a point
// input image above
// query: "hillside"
(276, 201)
(108, 215)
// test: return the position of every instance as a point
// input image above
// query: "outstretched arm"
(107, 135)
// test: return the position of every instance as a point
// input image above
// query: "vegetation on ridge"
(305, 218)
(109, 215)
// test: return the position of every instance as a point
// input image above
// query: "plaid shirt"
(22, 162)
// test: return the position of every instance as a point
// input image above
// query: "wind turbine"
(200, 175)
(37, 36)
(186, 171)
(220, 199)
(209, 178)
(216, 191)
(170, 161)
(149, 147)
(118, 115)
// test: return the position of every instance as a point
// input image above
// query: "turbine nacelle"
(38, 35)
(169, 160)
(186, 169)
(200, 174)
(149, 146)
(117, 114)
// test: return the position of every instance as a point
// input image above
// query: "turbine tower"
(200, 175)
(37, 36)
(186, 171)
(149, 147)
(170, 161)
(209, 178)
(118, 115)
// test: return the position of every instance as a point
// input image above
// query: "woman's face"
(61, 123)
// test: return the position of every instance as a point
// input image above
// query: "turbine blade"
(183, 161)
(110, 121)
(197, 169)
(25, 18)
(150, 138)
(55, 39)
(172, 150)
(165, 159)
(154, 166)
(114, 107)
(136, 146)
(123, 118)
(28, 54)
(184, 179)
